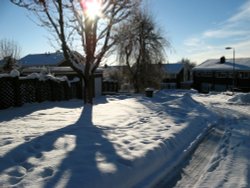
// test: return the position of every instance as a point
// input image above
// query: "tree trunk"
(136, 85)
(88, 89)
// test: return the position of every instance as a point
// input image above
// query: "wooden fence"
(109, 87)
(16, 91)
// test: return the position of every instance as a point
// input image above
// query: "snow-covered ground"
(223, 157)
(124, 141)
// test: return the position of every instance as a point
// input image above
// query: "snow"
(149, 89)
(46, 59)
(44, 77)
(241, 64)
(4, 75)
(122, 141)
(13, 73)
(241, 98)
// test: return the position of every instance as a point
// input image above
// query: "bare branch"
(69, 19)
(9, 48)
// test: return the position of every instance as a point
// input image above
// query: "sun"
(92, 8)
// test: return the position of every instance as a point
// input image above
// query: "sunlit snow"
(122, 141)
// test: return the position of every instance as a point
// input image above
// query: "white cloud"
(235, 32)
(236, 26)
(224, 33)
(193, 42)
(242, 15)
(242, 49)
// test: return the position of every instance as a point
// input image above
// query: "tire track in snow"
(205, 160)
(191, 169)
(220, 160)
(194, 171)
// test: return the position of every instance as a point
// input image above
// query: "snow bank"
(13, 73)
(4, 75)
(44, 77)
(40, 76)
(193, 119)
(241, 98)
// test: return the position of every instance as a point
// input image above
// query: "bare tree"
(9, 52)
(90, 24)
(188, 66)
(9, 48)
(141, 48)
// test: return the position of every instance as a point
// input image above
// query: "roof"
(47, 59)
(173, 68)
(216, 64)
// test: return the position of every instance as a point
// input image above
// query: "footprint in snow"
(6, 142)
(27, 138)
(145, 142)
(39, 155)
(143, 120)
(126, 141)
(47, 172)
(28, 166)
(14, 180)
(18, 172)
(131, 148)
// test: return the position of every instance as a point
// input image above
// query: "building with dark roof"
(1, 65)
(174, 76)
(55, 64)
(47, 59)
(222, 74)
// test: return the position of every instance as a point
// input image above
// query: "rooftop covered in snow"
(241, 64)
(46, 59)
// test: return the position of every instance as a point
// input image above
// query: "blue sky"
(198, 30)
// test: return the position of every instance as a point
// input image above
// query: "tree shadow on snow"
(79, 164)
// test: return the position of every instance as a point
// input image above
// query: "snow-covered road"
(222, 159)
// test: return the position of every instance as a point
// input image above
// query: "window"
(244, 75)
(204, 74)
(221, 75)
(171, 76)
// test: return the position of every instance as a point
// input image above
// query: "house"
(174, 75)
(1, 65)
(47, 59)
(116, 78)
(55, 64)
(222, 74)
